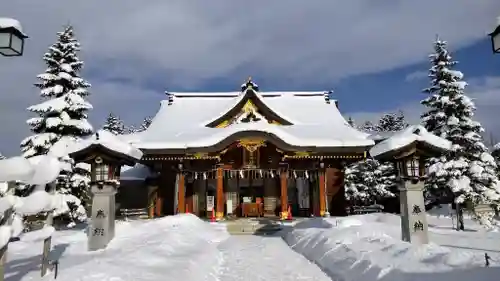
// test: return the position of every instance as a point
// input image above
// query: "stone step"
(251, 228)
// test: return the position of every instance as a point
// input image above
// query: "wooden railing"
(134, 213)
(359, 210)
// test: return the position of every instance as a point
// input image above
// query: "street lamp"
(11, 37)
(495, 38)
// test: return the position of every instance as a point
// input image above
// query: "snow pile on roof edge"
(416, 133)
(107, 140)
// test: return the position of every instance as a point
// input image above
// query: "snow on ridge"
(416, 133)
(208, 136)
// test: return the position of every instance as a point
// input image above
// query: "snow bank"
(180, 247)
(368, 247)
(408, 136)
(38, 235)
(16, 168)
(47, 169)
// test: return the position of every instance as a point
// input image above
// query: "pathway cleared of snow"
(255, 258)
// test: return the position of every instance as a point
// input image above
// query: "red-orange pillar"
(284, 194)
(159, 206)
(322, 195)
(181, 193)
(220, 194)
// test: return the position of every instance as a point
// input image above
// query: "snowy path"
(255, 258)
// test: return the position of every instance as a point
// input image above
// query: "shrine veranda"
(246, 153)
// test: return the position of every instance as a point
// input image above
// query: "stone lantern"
(408, 150)
(106, 156)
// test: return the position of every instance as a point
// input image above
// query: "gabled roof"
(311, 119)
(415, 135)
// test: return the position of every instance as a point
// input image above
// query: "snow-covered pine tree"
(468, 172)
(2, 157)
(145, 124)
(367, 126)
(368, 181)
(351, 123)
(496, 153)
(114, 125)
(391, 122)
(131, 129)
(63, 113)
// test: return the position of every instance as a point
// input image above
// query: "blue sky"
(371, 54)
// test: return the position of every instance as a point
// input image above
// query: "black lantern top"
(495, 38)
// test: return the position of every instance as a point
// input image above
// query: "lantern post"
(105, 166)
(409, 150)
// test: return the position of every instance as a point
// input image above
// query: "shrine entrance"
(254, 178)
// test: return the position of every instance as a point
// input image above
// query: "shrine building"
(245, 153)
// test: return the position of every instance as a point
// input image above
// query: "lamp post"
(11, 38)
(495, 38)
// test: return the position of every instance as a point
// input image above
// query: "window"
(102, 172)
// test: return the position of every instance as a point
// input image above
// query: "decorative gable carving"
(250, 109)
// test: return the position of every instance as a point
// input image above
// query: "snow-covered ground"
(369, 247)
(183, 247)
(174, 248)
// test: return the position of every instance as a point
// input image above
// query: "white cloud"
(192, 41)
(415, 76)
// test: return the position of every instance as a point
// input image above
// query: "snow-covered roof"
(182, 121)
(137, 172)
(8, 22)
(409, 136)
(379, 136)
(106, 140)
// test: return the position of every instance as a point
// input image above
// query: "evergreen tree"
(351, 123)
(2, 157)
(391, 122)
(114, 125)
(145, 124)
(131, 129)
(63, 113)
(368, 127)
(368, 181)
(467, 172)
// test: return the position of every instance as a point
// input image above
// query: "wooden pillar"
(219, 214)
(152, 195)
(181, 193)
(322, 195)
(158, 206)
(284, 194)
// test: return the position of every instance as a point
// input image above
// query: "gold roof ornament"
(249, 84)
